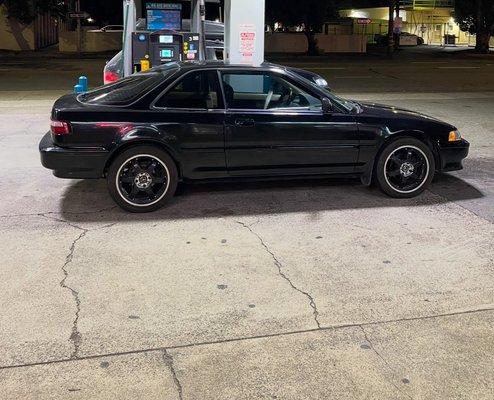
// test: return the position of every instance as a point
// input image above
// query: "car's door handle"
(245, 122)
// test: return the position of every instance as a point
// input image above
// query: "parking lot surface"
(307, 289)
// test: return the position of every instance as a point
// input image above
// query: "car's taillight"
(60, 128)
(110, 77)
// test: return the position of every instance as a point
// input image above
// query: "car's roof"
(186, 66)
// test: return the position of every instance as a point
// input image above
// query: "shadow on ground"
(89, 201)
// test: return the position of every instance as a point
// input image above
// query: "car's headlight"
(454, 136)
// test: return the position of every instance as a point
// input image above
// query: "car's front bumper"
(452, 155)
(74, 163)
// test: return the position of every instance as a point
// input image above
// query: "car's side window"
(265, 91)
(196, 90)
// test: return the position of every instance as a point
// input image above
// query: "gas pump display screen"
(164, 19)
(166, 53)
(166, 39)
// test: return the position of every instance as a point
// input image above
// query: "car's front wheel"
(405, 168)
(142, 179)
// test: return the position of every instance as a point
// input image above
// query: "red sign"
(364, 21)
(247, 42)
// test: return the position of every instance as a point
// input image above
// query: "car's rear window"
(123, 92)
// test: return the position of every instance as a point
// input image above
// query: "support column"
(129, 20)
(197, 21)
(244, 31)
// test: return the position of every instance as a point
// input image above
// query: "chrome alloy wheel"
(143, 180)
(406, 169)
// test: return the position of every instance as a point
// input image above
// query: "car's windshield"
(349, 105)
(345, 104)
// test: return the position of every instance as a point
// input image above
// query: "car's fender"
(146, 135)
(383, 139)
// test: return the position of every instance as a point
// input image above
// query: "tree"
(476, 17)
(311, 14)
(25, 11)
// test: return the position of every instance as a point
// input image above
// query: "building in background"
(432, 20)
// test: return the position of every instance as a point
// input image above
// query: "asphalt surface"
(311, 289)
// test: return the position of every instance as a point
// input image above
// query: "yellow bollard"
(145, 64)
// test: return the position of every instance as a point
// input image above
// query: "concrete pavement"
(275, 290)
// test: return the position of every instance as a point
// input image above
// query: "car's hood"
(385, 111)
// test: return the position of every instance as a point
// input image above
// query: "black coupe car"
(177, 122)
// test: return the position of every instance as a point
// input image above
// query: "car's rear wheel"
(405, 168)
(142, 179)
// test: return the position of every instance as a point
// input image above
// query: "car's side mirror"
(327, 106)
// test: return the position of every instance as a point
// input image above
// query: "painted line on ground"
(314, 66)
(356, 77)
(429, 62)
(327, 68)
(458, 67)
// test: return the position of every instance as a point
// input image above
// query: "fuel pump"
(163, 39)
(163, 46)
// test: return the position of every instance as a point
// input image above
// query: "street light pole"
(391, 27)
(395, 31)
(79, 35)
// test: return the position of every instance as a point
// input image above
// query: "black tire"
(405, 168)
(142, 179)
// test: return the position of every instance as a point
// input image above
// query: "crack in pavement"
(245, 338)
(383, 74)
(388, 365)
(279, 265)
(168, 359)
(75, 336)
(63, 221)
(45, 214)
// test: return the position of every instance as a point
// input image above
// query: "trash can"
(450, 39)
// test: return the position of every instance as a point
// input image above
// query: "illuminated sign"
(364, 21)
(163, 6)
(166, 39)
(164, 16)
(166, 53)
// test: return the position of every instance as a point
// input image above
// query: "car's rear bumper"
(452, 155)
(74, 163)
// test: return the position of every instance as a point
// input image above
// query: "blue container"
(78, 89)
(84, 83)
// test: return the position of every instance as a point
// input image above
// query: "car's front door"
(274, 126)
